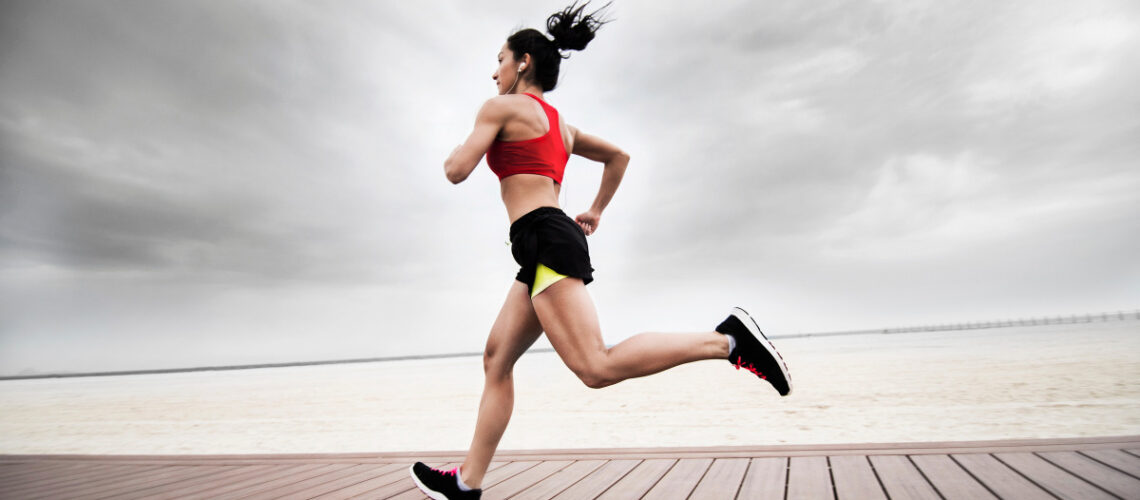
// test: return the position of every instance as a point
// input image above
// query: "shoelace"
(748, 366)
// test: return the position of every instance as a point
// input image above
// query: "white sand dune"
(1025, 382)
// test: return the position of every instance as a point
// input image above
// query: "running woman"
(527, 145)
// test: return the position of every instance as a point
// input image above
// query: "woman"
(527, 145)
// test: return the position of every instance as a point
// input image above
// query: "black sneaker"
(754, 352)
(439, 484)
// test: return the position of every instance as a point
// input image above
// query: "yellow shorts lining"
(544, 277)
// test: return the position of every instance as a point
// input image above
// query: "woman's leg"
(567, 314)
(514, 331)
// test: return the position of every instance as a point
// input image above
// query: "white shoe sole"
(435, 495)
(752, 327)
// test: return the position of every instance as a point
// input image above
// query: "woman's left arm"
(615, 160)
(466, 156)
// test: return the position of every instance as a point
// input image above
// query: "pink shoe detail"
(748, 366)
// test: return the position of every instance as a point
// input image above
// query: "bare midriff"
(523, 193)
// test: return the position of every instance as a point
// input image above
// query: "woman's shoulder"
(508, 100)
(513, 105)
(497, 109)
(504, 105)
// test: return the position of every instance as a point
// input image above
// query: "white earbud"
(517, 77)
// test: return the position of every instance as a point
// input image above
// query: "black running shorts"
(547, 235)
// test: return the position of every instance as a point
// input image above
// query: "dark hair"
(570, 30)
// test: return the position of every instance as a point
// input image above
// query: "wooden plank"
(766, 479)
(257, 485)
(16, 469)
(598, 481)
(12, 470)
(30, 472)
(639, 480)
(809, 478)
(505, 471)
(553, 485)
(249, 480)
(1056, 480)
(400, 471)
(145, 480)
(156, 484)
(41, 476)
(364, 473)
(949, 478)
(36, 465)
(901, 478)
(1107, 478)
(287, 489)
(854, 478)
(60, 479)
(1124, 462)
(185, 489)
(722, 480)
(1002, 480)
(680, 480)
(181, 489)
(127, 473)
(1087, 469)
(510, 487)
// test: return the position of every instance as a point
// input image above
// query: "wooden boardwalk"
(1079, 468)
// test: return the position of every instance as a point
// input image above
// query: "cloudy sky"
(227, 182)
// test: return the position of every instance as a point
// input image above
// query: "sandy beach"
(1016, 382)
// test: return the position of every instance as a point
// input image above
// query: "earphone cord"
(517, 76)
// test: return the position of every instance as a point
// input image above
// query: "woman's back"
(529, 121)
(525, 155)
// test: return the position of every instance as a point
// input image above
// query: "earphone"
(517, 76)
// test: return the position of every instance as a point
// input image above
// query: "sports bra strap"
(551, 116)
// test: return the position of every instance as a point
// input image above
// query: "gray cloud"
(164, 135)
(268, 173)
(792, 136)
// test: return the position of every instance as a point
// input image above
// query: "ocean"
(998, 383)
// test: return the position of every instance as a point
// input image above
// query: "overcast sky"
(187, 183)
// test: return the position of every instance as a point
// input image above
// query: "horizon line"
(970, 325)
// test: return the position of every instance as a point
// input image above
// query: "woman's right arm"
(491, 118)
(595, 148)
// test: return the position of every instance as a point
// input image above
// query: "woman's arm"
(465, 157)
(615, 160)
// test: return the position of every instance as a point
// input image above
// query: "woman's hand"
(589, 221)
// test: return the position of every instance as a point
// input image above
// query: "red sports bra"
(544, 155)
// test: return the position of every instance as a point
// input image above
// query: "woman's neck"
(530, 89)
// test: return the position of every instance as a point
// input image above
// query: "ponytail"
(569, 29)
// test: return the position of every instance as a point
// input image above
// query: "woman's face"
(507, 71)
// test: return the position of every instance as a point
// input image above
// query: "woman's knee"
(594, 373)
(596, 380)
(495, 362)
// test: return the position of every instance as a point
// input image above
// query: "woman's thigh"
(515, 330)
(567, 313)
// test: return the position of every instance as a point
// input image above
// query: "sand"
(1023, 382)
